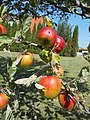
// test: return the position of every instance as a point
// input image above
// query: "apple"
(3, 100)
(46, 37)
(52, 86)
(2, 29)
(59, 44)
(67, 101)
(26, 60)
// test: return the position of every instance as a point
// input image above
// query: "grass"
(72, 67)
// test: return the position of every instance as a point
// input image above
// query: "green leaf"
(9, 114)
(3, 10)
(12, 71)
(48, 21)
(45, 55)
(5, 39)
(1, 79)
(55, 58)
(26, 25)
(67, 2)
(3, 115)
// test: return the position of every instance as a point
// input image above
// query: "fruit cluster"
(50, 86)
(48, 38)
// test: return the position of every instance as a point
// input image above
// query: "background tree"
(65, 30)
(57, 8)
(74, 42)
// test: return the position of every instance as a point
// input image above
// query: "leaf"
(67, 2)
(4, 39)
(16, 105)
(16, 62)
(84, 71)
(26, 25)
(3, 10)
(26, 81)
(55, 58)
(48, 21)
(1, 79)
(18, 33)
(45, 55)
(87, 57)
(12, 71)
(38, 86)
(8, 115)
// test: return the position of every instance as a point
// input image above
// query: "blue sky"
(83, 24)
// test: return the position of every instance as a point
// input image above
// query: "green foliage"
(71, 39)
(74, 42)
(27, 37)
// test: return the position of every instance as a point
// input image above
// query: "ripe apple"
(2, 29)
(3, 100)
(52, 86)
(67, 101)
(26, 60)
(59, 44)
(47, 36)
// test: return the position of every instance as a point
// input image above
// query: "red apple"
(52, 86)
(46, 36)
(67, 101)
(59, 44)
(3, 100)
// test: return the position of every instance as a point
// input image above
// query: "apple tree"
(34, 89)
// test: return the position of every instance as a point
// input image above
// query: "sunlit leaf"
(16, 105)
(1, 79)
(48, 21)
(12, 71)
(4, 39)
(84, 73)
(38, 86)
(45, 55)
(16, 62)
(9, 114)
(26, 25)
(55, 58)
(26, 81)
(3, 10)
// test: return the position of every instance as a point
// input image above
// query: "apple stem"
(52, 66)
(32, 44)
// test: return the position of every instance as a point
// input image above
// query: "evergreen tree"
(74, 42)
(65, 30)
